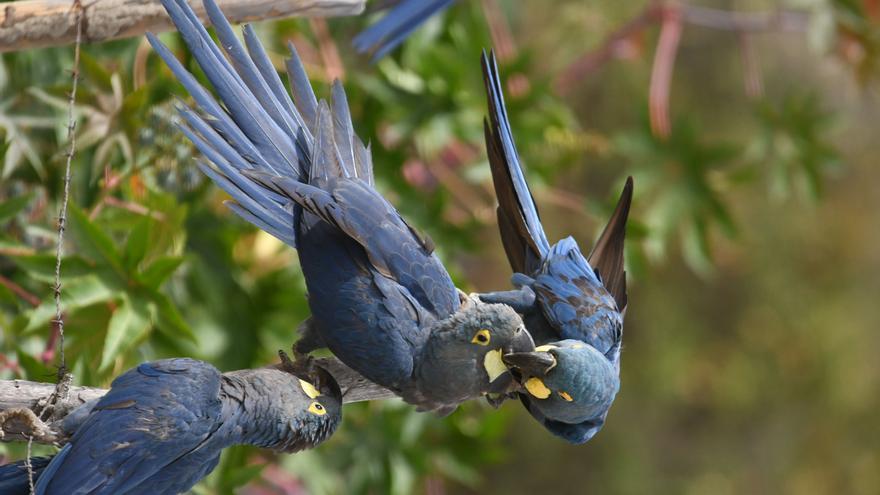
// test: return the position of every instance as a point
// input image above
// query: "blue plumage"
(14, 478)
(390, 31)
(381, 300)
(162, 426)
(563, 295)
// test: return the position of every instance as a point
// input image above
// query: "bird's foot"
(521, 281)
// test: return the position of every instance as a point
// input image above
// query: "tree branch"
(19, 399)
(39, 23)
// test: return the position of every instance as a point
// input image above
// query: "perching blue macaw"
(162, 426)
(381, 300)
(573, 306)
(404, 17)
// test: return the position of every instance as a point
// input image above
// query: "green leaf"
(12, 206)
(95, 72)
(34, 368)
(76, 294)
(92, 242)
(132, 106)
(42, 266)
(158, 271)
(129, 324)
(136, 244)
(169, 321)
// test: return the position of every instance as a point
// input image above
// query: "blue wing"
(521, 231)
(14, 476)
(152, 416)
(369, 322)
(374, 284)
(573, 301)
(396, 25)
(311, 143)
(296, 169)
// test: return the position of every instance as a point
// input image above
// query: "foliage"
(158, 267)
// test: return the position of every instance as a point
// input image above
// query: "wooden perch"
(39, 23)
(22, 402)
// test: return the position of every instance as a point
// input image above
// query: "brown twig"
(133, 207)
(593, 59)
(752, 80)
(724, 20)
(329, 52)
(662, 70)
(499, 30)
(563, 199)
(20, 291)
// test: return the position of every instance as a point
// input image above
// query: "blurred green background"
(752, 255)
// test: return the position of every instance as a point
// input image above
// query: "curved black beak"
(521, 342)
(534, 363)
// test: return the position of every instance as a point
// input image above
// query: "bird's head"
(462, 357)
(567, 381)
(312, 403)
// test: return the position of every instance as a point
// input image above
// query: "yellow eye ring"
(317, 409)
(565, 395)
(482, 337)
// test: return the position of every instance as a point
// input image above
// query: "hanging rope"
(62, 217)
(62, 387)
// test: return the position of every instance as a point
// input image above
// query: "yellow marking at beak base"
(565, 396)
(537, 388)
(309, 389)
(495, 367)
(545, 348)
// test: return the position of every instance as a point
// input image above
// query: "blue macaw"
(404, 18)
(573, 306)
(162, 426)
(381, 300)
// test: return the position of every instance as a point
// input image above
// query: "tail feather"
(270, 76)
(221, 121)
(247, 71)
(607, 255)
(244, 108)
(303, 94)
(342, 128)
(327, 162)
(254, 127)
(523, 236)
(400, 22)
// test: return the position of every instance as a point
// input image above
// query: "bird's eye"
(482, 337)
(565, 395)
(317, 409)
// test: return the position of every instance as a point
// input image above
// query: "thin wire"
(62, 217)
(29, 466)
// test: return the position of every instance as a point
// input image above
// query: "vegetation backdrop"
(752, 254)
